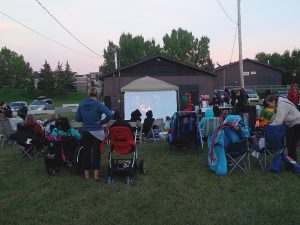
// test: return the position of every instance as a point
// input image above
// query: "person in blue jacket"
(90, 112)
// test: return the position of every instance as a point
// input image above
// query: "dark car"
(15, 106)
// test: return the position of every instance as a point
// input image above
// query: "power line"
(44, 36)
(225, 13)
(69, 32)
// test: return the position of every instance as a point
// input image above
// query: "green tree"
(183, 46)
(69, 78)
(179, 45)
(288, 62)
(151, 48)
(14, 71)
(109, 58)
(59, 78)
(46, 83)
(131, 49)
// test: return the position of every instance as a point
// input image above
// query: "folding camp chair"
(238, 156)
(25, 141)
(137, 128)
(154, 134)
(5, 130)
(184, 131)
(275, 144)
(209, 126)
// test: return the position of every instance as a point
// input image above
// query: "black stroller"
(63, 152)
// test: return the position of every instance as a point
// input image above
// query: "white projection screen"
(162, 103)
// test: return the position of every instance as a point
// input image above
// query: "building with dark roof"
(187, 77)
(255, 74)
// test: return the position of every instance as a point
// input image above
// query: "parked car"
(252, 96)
(15, 106)
(283, 94)
(41, 103)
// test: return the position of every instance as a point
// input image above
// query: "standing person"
(89, 112)
(293, 94)
(233, 98)
(5, 109)
(226, 96)
(288, 114)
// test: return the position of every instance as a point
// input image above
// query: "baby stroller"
(63, 152)
(184, 130)
(122, 143)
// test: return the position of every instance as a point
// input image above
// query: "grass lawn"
(177, 189)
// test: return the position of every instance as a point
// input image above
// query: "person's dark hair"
(271, 98)
(136, 115)
(62, 124)
(149, 114)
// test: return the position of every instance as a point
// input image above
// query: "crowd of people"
(276, 111)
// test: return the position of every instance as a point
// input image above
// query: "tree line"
(16, 73)
(179, 44)
(288, 62)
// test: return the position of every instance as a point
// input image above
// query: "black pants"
(91, 153)
(293, 136)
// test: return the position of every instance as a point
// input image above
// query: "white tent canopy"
(148, 93)
(149, 84)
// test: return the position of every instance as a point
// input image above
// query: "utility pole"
(240, 45)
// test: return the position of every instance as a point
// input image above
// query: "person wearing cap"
(293, 94)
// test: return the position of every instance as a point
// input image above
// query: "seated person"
(63, 129)
(218, 113)
(265, 116)
(22, 112)
(50, 124)
(136, 116)
(148, 121)
(30, 121)
(38, 130)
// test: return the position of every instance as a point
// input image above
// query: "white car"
(252, 96)
(41, 103)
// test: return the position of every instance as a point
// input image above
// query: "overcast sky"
(267, 25)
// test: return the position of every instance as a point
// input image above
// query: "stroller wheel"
(136, 164)
(128, 180)
(110, 180)
(51, 170)
(142, 166)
